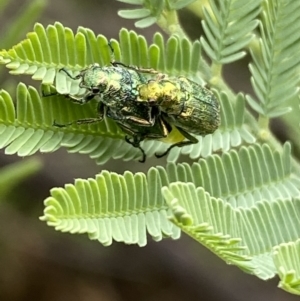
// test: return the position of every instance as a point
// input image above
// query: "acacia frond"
(152, 10)
(174, 57)
(240, 236)
(111, 207)
(242, 178)
(276, 60)
(30, 129)
(286, 259)
(98, 204)
(46, 50)
(228, 27)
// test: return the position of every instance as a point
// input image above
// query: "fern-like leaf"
(228, 28)
(148, 15)
(153, 10)
(286, 258)
(174, 57)
(240, 236)
(242, 178)
(31, 129)
(46, 50)
(275, 60)
(111, 207)
(234, 184)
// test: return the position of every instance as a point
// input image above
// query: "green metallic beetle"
(115, 87)
(148, 109)
(183, 104)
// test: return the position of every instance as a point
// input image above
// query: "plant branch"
(169, 23)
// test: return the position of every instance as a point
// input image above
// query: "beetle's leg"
(136, 143)
(137, 137)
(136, 120)
(80, 99)
(140, 121)
(166, 128)
(78, 122)
(136, 140)
(191, 140)
(100, 111)
(160, 76)
(112, 57)
(73, 98)
(138, 69)
(152, 114)
(133, 119)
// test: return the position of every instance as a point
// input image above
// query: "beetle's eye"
(95, 90)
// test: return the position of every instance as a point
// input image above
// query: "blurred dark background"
(38, 263)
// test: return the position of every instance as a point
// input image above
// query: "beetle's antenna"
(69, 74)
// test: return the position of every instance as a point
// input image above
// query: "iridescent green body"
(183, 103)
(116, 88)
(149, 109)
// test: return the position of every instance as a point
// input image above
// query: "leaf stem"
(264, 133)
(170, 24)
(263, 122)
(216, 75)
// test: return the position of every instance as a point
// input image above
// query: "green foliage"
(287, 263)
(112, 207)
(218, 207)
(153, 10)
(240, 199)
(275, 59)
(228, 27)
(17, 26)
(11, 175)
(256, 231)
(45, 51)
(174, 56)
(30, 129)
(21, 23)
